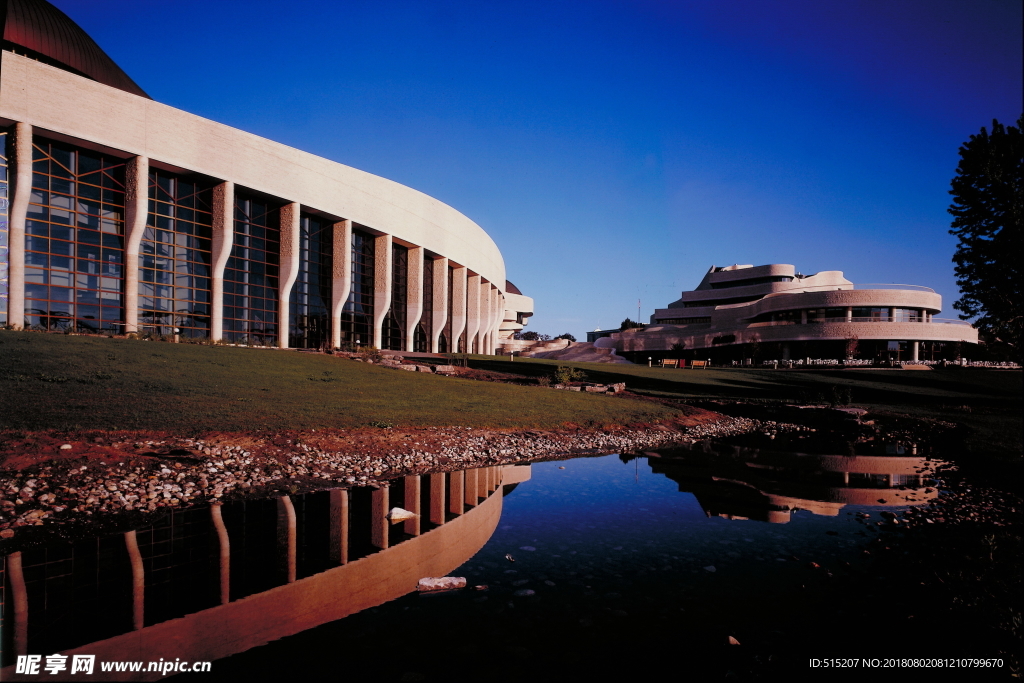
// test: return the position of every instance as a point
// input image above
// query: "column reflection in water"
(205, 583)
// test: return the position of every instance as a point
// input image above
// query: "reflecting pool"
(577, 569)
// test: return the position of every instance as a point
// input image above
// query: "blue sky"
(615, 150)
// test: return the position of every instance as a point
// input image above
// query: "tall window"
(357, 315)
(251, 275)
(394, 321)
(4, 203)
(425, 327)
(310, 309)
(74, 240)
(175, 257)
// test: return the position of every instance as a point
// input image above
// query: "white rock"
(443, 583)
(399, 515)
(66, 447)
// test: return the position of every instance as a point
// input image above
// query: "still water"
(585, 569)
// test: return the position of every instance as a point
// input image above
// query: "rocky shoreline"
(100, 478)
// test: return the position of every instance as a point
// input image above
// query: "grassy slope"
(988, 402)
(58, 382)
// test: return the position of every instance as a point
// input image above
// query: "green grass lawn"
(80, 383)
(988, 402)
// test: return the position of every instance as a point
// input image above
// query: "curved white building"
(126, 215)
(773, 304)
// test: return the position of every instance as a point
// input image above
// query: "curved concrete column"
(286, 538)
(289, 259)
(413, 294)
(138, 581)
(224, 553)
(485, 317)
(341, 285)
(439, 305)
(223, 236)
(459, 278)
(381, 286)
(19, 596)
(497, 314)
(472, 311)
(16, 225)
(136, 209)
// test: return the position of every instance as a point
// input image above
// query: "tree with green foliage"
(566, 336)
(988, 209)
(628, 324)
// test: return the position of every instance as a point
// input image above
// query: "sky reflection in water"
(612, 552)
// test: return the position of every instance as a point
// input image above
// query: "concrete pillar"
(224, 545)
(915, 349)
(892, 314)
(19, 596)
(499, 315)
(136, 210)
(459, 280)
(381, 286)
(849, 314)
(437, 506)
(413, 295)
(803, 316)
(379, 505)
(341, 284)
(412, 504)
(16, 217)
(456, 488)
(472, 311)
(481, 483)
(785, 351)
(846, 478)
(440, 303)
(338, 545)
(289, 272)
(223, 236)
(286, 537)
(138, 581)
(485, 318)
(470, 487)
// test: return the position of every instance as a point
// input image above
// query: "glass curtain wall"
(421, 339)
(394, 321)
(74, 240)
(357, 315)
(4, 230)
(175, 257)
(309, 325)
(251, 275)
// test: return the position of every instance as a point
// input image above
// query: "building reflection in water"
(206, 583)
(749, 483)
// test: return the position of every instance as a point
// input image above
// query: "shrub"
(565, 374)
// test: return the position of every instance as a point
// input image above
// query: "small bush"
(565, 375)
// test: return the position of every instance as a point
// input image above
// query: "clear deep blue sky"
(615, 150)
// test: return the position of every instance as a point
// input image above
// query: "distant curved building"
(740, 305)
(119, 214)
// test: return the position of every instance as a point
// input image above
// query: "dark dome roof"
(511, 288)
(37, 29)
